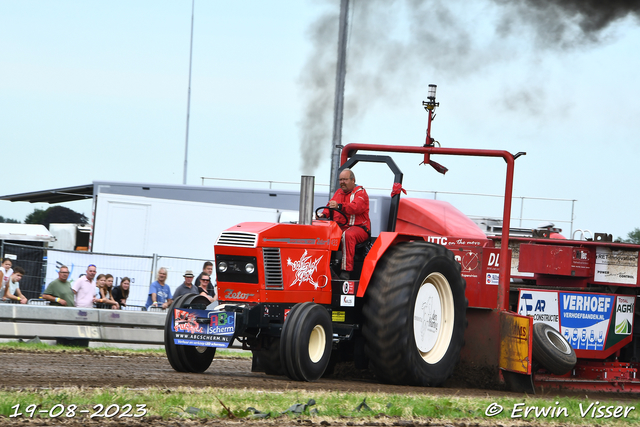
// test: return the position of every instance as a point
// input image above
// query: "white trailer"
(136, 225)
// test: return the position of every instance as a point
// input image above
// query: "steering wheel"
(331, 210)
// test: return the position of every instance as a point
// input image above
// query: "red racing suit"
(357, 229)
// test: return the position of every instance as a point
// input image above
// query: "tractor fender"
(383, 242)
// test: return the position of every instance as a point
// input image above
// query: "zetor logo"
(230, 294)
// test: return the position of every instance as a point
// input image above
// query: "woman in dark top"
(121, 293)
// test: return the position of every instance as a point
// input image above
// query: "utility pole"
(186, 141)
(341, 71)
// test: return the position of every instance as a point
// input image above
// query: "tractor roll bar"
(505, 264)
(397, 179)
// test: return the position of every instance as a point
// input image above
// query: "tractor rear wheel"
(305, 343)
(415, 315)
(185, 358)
(551, 350)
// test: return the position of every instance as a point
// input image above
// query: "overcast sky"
(97, 90)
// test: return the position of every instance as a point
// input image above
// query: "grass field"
(329, 406)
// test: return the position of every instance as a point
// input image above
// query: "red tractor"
(432, 290)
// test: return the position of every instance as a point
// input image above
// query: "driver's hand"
(333, 204)
(320, 215)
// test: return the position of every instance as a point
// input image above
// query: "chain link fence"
(42, 265)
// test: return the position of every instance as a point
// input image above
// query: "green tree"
(55, 214)
(8, 220)
(36, 217)
(632, 237)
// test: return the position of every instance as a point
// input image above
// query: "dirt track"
(33, 370)
(53, 370)
(47, 369)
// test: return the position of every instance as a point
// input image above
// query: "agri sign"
(587, 321)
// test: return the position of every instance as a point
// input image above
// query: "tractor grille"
(238, 238)
(272, 268)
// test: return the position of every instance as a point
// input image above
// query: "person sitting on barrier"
(159, 292)
(121, 293)
(12, 291)
(353, 200)
(59, 292)
(106, 296)
(5, 274)
(187, 287)
(204, 289)
(84, 288)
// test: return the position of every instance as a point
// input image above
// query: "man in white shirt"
(84, 289)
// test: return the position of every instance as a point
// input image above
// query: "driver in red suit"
(353, 200)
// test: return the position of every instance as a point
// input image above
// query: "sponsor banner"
(515, 343)
(348, 288)
(347, 301)
(616, 266)
(584, 319)
(623, 324)
(493, 279)
(542, 306)
(202, 327)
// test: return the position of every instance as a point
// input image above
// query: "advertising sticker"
(203, 328)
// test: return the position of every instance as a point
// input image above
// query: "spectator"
(84, 288)
(187, 287)
(205, 280)
(59, 292)
(207, 269)
(5, 274)
(106, 296)
(159, 292)
(121, 293)
(12, 291)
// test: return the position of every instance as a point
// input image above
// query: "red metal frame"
(503, 288)
(597, 376)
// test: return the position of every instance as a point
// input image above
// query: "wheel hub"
(317, 341)
(433, 316)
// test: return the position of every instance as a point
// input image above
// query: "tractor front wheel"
(184, 358)
(415, 315)
(305, 343)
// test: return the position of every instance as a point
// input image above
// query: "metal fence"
(42, 266)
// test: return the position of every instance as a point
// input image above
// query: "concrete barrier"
(116, 326)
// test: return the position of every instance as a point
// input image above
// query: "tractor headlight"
(249, 268)
(222, 267)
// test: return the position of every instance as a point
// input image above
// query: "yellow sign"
(515, 342)
(337, 316)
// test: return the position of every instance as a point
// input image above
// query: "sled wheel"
(187, 358)
(415, 315)
(551, 350)
(305, 344)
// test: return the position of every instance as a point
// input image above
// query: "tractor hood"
(319, 235)
(434, 217)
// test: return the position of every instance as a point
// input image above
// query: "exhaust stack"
(306, 199)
